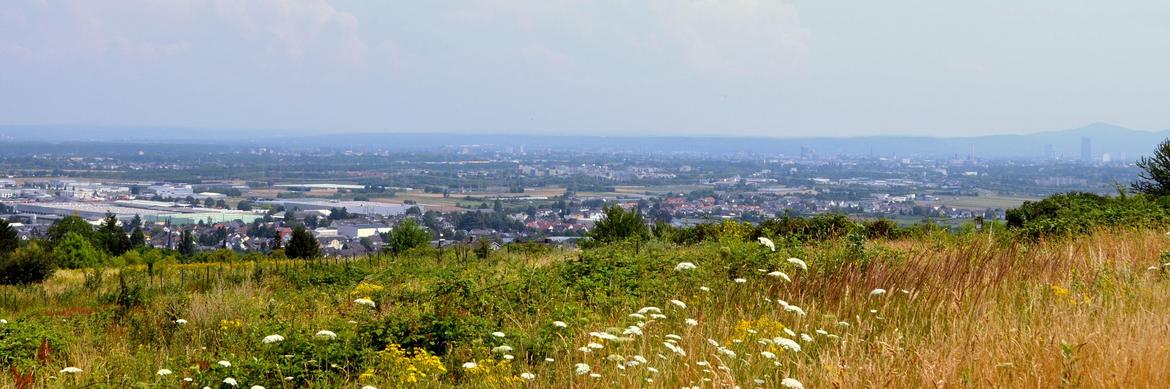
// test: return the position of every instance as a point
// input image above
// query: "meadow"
(932, 309)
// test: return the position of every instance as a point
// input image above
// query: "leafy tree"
(9, 241)
(276, 240)
(75, 251)
(69, 224)
(302, 244)
(187, 243)
(405, 236)
(137, 238)
(618, 225)
(1154, 179)
(339, 213)
(112, 237)
(244, 205)
(134, 223)
(27, 265)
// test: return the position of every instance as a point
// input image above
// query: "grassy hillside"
(933, 310)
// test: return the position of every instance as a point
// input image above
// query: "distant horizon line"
(291, 133)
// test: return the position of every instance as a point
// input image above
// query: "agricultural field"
(932, 309)
(982, 202)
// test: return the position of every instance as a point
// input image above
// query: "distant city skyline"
(795, 68)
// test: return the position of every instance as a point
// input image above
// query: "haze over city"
(728, 68)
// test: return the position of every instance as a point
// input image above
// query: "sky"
(775, 68)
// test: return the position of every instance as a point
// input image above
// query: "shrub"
(619, 225)
(74, 251)
(28, 265)
(406, 236)
(27, 344)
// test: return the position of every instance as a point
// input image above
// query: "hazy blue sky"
(771, 68)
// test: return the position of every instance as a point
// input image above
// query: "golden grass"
(959, 312)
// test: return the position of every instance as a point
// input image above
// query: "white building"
(355, 231)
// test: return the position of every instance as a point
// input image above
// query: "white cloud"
(145, 30)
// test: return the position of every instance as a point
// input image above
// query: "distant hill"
(1119, 142)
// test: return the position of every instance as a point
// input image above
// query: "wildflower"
(595, 346)
(595, 376)
(502, 349)
(843, 324)
(272, 339)
(230, 381)
(790, 332)
(2, 321)
(550, 360)
(70, 370)
(780, 275)
(369, 387)
(674, 348)
(795, 309)
(685, 266)
(703, 363)
(791, 383)
(759, 381)
(799, 263)
(767, 354)
(712, 342)
(224, 363)
(188, 379)
(528, 376)
(637, 316)
(767, 243)
(740, 280)
(679, 304)
(877, 292)
(585, 349)
(509, 357)
(603, 335)
(560, 324)
(822, 332)
(673, 337)
(582, 369)
(657, 316)
(365, 301)
(324, 334)
(692, 322)
(257, 387)
(646, 310)
(163, 372)
(470, 365)
(704, 288)
(1152, 268)
(726, 351)
(633, 330)
(786, 343)
(180, 321)
(806, 337)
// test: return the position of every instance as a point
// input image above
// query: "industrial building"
(354, 207)
(149, 211)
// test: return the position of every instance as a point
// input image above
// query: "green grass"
(959, 310)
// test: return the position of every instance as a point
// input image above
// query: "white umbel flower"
(767, 243)
(70, 370)
(791, 383)
(325, 334)
(799, 263)
(272, 339)
(685, 266)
